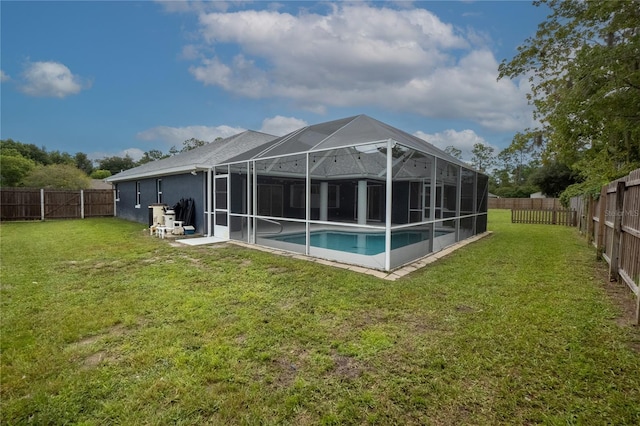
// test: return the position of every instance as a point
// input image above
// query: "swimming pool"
(370, 243)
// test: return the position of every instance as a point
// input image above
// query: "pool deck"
(391, 276)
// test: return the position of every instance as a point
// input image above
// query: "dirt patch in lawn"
(624, 299)
(94, 359)
(286, 372)
(113, 331)
(346, 367)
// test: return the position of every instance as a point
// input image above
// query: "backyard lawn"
(102, 324)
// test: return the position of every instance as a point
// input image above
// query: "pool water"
(357, 242)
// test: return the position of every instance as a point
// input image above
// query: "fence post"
(614, 275)
(589, 219)
(601, 226)
(42, 204)
(82, 204)
(638, 308)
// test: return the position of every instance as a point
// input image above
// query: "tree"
(29, 151)
(14, 167)
(553, 178)
(100, 174)
(192, 143)
(83, 162)
(57, 157)
(57, 176)
(152, 155)
(482, 158)
(454, 152)
(584, 68)
(188, 145)
(116, 164)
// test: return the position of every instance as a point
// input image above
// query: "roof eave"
(155, 173)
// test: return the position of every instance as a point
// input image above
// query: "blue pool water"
(357, 242)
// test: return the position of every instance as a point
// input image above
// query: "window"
(138, 194)
(117, 192)
(159, 190)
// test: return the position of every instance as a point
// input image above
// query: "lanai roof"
(323, 138)
(201, 158)
(345, 132)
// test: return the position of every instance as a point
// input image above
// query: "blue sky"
(120, 77)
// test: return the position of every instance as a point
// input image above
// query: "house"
(100, 184)
(538, 195)
(182, 176)
(355, 190)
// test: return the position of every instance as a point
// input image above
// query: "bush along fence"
(612, 224)
(41, 204)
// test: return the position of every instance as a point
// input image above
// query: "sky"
(124, 77)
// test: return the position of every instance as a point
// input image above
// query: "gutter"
(164, 172)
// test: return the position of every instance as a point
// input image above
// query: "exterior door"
(221, 206)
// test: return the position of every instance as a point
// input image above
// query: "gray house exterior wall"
(174, 188)
(183, 176)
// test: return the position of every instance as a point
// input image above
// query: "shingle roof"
(202, 157)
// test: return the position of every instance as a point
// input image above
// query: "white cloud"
(185, 6)
(177, 135)
(135, 153)
(4, 77)
(361, 55)
(280, 126)
(463, 140)
(190, 52)
(51, 79)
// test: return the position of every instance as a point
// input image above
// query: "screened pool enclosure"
(353, 190)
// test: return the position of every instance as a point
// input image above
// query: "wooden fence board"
(37, 204)
(525, 203)
(98, 202)
(544, 217)
(621, 252)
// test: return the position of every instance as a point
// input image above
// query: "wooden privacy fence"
(544, 217)
(612, 224)
(525, 203)
(41, 204)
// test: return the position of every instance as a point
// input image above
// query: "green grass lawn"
(102, 324)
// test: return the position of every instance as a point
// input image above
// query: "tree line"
(519, 170)
(27, 165)
(583, 68)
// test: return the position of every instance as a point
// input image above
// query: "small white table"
(161, 231)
